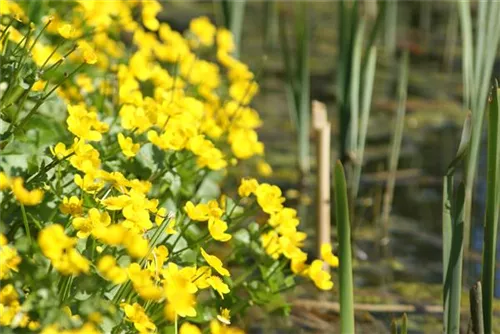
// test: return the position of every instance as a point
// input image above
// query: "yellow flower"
(217, 327)
(136, 245)
(264, 169)
(136, 314)
(85, 83)
(203, 29)
(298, 265)
(60, 151)
(225, 41)
(321, 278)
(224, 316)
(95, 219)
(269, 198)
(128, 147)
(59, 248)
(143, 283)
(198, 212)
(286, 216)
(85, 124)
(217, 228)
(215, 263)
(9, 259)
(245, 143)
(161, 215)
(67, 31)
(87, 52)
(270, 242)
(71, 206)
(110, 270)
(188, 328)
(150, 9)
(5, 181)
(179, 290)
(327, 255)
(247, 187)
(39, 85)
(243, 91)
(218, 285)
(201, 276)
(26, 197)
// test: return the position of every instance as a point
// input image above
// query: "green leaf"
(345, 266)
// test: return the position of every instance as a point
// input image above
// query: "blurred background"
(330, 51)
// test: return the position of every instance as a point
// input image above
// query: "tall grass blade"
(270, 24)
(288, 59)
(298, 86)
(492, 208)
(476, 308)
(477, 71)
(303, 38)
(447, 240)
(453, 230)
(348, 12)
(354, 88)
(453, 278)
(367, 92)
(394, 326)
(463, 146)
(234, 14)
(404, 324)
(345, 265)
(390, 29)
(396, 143)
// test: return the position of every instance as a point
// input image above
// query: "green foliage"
(345, 258)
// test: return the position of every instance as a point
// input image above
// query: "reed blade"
(345, 259)
(367, 93)
(492, 208)
(404, 324)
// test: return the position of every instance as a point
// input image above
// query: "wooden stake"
(322, 130)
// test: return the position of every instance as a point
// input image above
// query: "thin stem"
(25, 221)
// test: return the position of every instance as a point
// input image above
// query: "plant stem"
(26, 225)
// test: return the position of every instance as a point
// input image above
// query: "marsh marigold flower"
(321, 278)
(180, 290)
(264, 169)
(59, 248)
(9, 259)
(150, 9)
(128, 147)
(218, 285)
(67, 31)
(95, 219)
(203, 29)
(327, 255)
(269, 198)
(5, 181)
(110, 270)
(136, 314)
(217, 228)
(188, 328)
(71, 206)
(24, 196)
(215, 263)
(224, 316)
(247, 187)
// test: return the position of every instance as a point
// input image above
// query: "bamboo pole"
(322, 131)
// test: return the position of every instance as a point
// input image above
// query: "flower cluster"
(116, 221)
